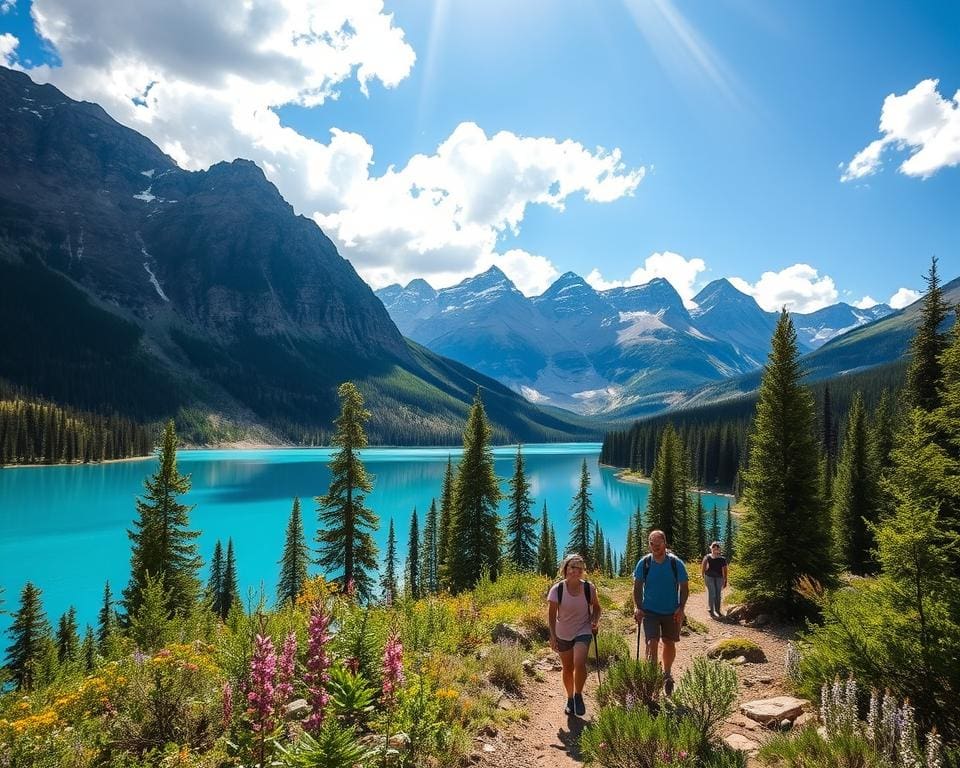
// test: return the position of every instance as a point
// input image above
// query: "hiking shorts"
(567, 645)
(657, 625)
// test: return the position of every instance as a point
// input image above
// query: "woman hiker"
(714, 568)
(574, 612)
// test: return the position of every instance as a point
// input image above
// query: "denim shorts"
(567, 645)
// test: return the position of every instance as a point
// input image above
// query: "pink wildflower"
(318, 662)
(227, 704)
(392, 668)
(286, 670)
(263, 675)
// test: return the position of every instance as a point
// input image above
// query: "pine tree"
(163, 546)
(428, 572)
(730, 530)
(597, 548)
(446, 514)
(30, 633)
(296, 557)
(521, 534)
(346, 542)
(475, 526)
(389, 581)
(580, 519)
(639, 536)
(148, 626)
(230, 591)
(701, 523)
(546, 565)
(215, 582)
(629, 555)
(714, 524)
(554, 555)
(856, 495)
(668, 508)
(68, 638)
(88, 649)
(106, 620)
(925, 373)
(608, 559)
(784, 534)
(412, 571)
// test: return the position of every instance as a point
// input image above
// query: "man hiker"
(660, 592)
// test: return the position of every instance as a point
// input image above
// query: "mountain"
(726, 313)
(817, 328)
(130, 285)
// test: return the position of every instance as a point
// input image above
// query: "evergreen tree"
(925, 372)
(215, 582)
(552, 552)
(106, 620)
(30, 633)
(428, 573)
(68, 638)
(346, 543)
(730, 531)
(446, 514)
(88, 650)
(856, 496)
(597, 548)
(389, 581)
(669, 500)
(412, 570)
(714, 524)
(296, 557)
(701, 522)
(148, 626)
(608, 559)
(629, 555)
(784, 534)
(580, 519)
(546, 564)
(475, 526)
(639, 537)
(163, 546)
(230, 592)
(882, 431)
(521, 534)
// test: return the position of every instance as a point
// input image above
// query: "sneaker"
(568, 710)
(668, 685)
(579, 706)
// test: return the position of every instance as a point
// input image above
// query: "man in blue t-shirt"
(660, 591)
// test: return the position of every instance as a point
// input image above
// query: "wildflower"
(318, 662)
(888, 725)
(908, 737)
(227, 698)
(392, 668)
(285, 672)
(263, 675)
(934, 749)
(873, 716)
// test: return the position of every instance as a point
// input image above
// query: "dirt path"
(549, 738)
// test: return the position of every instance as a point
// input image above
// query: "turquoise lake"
(65, 528)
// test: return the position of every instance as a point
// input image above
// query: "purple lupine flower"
(263, 676)
(318, 662)
(286, 670)
(227, 699)
(392, 668)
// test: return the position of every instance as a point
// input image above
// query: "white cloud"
(680, 272)
(866, 302)
(904, 297)
(920, 121)
(8, 47)
(799, 288)
(7, 5)
(203, 81)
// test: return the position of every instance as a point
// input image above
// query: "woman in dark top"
(715, 575)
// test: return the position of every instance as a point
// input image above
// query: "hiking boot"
(568, 710)
(579, 706)
(667, 684)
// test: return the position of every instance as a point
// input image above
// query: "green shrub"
(808, 748)
(630, 682)
(351, 697)
(504, 663)
(706, 694)
(611, 647)
(334, 746)
(733, 647)
(633, 737)
(692, 626)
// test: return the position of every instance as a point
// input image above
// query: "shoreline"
(41, 465)
(629, 476)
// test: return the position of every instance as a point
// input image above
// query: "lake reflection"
(64, 528)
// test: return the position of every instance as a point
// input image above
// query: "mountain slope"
(129, 284)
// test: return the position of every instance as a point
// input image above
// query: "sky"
(809, 152)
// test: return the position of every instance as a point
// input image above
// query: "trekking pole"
(596, 645)
(638, 643)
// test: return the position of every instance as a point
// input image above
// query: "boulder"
(774, 710)
(510, 633)
(296, 709)
(741, 743)
(733, 647)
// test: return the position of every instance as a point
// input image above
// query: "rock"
(786, 724)
(804, 719)
(399, 741)
(489, 748)
(296, 709)
(765, 680)
(529, 666)
(510, 633)
(490, 730)
(774, 710)
(747, 683)
(760, 621)
(741, 743)
(732, 647)
(739, 660)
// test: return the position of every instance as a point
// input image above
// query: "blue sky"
(748, 133)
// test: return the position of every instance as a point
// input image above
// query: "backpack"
(587, 586)
(648, 558)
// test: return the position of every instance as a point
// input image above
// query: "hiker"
(660, 591)
(714, 567)
(574, 612)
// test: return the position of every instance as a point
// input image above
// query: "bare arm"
(684, 594)
(595, 611)
(637, 600)
(704, 567)
(552, 623)
(724, 577)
